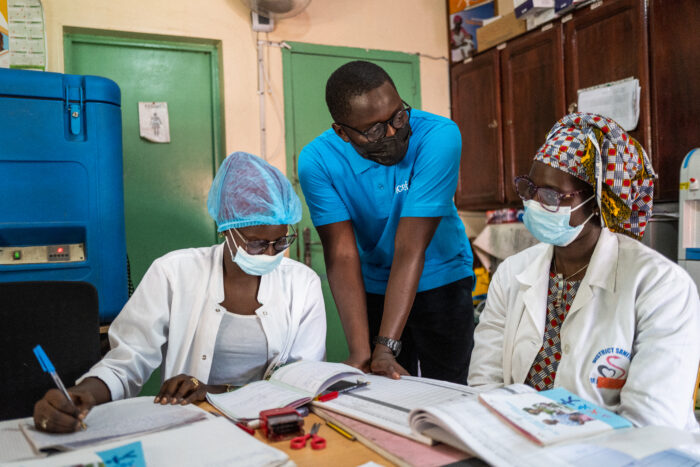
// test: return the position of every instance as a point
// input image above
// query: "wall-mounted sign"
(27, 38)
(618, 100)
(154, 124)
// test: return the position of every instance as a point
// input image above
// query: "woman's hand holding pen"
(54, 413)
(185, 389)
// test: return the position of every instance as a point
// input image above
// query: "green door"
(306, 70)
(165, 184)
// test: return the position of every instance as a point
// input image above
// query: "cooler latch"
(75, 111)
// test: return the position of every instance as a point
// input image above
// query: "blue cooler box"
(61, 187)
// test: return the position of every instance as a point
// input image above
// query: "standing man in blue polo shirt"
(380, 187)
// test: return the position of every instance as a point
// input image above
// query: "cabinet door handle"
(572, 107)
(493, 124)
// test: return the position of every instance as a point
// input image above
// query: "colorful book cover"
(551, 416)
(463, 26)
(4, 36)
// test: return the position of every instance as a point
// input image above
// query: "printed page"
(13, 443)
(312, 377)
(386, 403)
(473, 428)
(215, 442)
(117, 419)
(247, 402)
(647, 441)
(618, 100)
(554, 415)
(470, 426)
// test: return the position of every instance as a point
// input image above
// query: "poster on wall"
(27, 37)
(154, 124)
(466, 16)
(4, 36)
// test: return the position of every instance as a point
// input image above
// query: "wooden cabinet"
(504, 102)
(535, 79)
(605, 44)
(532, 74)
(675, 88)
(476, 87)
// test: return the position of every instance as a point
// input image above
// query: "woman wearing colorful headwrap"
(591, 309)
(212, 318)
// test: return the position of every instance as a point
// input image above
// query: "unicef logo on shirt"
(402, 187)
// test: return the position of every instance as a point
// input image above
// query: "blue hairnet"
(249, 191)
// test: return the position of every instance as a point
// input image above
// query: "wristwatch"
(393, 344)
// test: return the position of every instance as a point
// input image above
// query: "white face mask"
(552, 227)
(254, 265)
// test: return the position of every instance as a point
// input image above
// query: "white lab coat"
(173, 318)
(630, 341)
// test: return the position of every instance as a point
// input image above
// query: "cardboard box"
(544, 16)
(524, 8)
(564, 6)
(500, 30)
(503, 7)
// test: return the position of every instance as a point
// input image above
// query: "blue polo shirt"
(341, 185)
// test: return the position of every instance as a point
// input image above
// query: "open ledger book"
(386, 403)
(116, 420)
(427, 410)
(292, 385)
(502, 436)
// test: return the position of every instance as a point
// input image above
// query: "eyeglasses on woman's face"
(549, 198)
(258, 247)
(378, 131)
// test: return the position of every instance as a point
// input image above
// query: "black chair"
(62, 317)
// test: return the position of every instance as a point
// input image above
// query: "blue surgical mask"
(552, 227)
(254, 265)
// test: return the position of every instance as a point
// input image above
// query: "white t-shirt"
(240, 353)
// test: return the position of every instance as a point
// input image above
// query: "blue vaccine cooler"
(61, 183)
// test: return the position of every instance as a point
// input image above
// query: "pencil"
(341, 431)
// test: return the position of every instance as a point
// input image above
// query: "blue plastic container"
(61, 183)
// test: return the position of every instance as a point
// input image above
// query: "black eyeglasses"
(258, 247)
(549, 198)
(379, 129)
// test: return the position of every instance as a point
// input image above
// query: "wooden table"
(339, 451)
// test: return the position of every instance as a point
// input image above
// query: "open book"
(116, 420)
(292, 385)
(386, 403)
(471, 426)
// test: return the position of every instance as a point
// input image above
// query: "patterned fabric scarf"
(598, 151)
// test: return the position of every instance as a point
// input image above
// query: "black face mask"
(389, 150)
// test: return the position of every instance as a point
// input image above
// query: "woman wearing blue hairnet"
(212, 318)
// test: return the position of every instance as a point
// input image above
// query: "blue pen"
(47, 366)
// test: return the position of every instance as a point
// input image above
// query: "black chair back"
(62, 317)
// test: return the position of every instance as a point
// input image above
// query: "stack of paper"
(618, 100)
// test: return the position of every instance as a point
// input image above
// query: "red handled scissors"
(317, 442)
